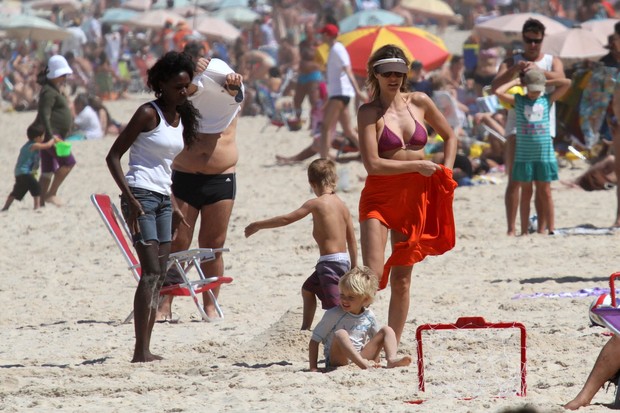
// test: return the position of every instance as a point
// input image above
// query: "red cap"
(330, 30)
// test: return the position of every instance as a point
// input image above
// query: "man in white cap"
(55, 116)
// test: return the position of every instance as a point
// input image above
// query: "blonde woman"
(404, 195)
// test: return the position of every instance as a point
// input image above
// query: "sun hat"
(534, 80)
(330, 30)
(393, 64)
(57, 66)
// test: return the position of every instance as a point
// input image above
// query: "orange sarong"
(415, 205)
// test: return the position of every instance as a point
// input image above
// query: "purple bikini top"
(389, 140)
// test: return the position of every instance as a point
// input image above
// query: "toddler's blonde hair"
(360, 281)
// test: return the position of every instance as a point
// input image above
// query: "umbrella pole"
(195, 13)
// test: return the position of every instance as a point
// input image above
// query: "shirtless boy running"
(333, 232)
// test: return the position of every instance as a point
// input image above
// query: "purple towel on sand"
(585, 292)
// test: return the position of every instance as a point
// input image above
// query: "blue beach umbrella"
(176, 4)
(222, 4)
(364, 18)
(118, 15)
(238, 16)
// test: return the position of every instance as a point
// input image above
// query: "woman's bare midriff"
(212, 153)
(403, 154)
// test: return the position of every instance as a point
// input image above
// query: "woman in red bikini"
(404, 193)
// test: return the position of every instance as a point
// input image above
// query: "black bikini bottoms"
(199, 190)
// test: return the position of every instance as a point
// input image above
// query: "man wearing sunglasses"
(531, 57)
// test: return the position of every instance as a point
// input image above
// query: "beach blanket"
(584, 292)
(586, 229)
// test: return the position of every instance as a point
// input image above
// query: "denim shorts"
(156, 223)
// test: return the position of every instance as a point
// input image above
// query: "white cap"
(57, 66)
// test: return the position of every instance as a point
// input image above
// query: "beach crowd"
(420, 132)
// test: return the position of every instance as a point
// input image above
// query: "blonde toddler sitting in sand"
(350, 331)
(333, 232)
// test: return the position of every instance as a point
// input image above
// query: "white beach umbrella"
(602, 28)
(574, 44)
(215, 28)
(32, 27)
(238, 16)
(155, 19)
(507, 28)
(64, 5)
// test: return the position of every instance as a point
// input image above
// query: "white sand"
(65, 290)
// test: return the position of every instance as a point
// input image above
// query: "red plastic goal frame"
(471, 323)
(612, 288)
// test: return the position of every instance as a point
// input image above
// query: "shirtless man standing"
(203, 177)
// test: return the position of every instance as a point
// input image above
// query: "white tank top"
(151, 156)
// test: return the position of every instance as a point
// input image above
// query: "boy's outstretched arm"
(279, 221)
(313, 355)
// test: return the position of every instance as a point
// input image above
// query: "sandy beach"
(66, 290)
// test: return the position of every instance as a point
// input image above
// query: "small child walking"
(27, 165)
(333, 232)
(350, 331)
(534, 159)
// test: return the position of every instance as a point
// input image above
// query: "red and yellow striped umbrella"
(418, 44)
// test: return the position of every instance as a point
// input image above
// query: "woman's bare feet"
(285, 160)
(574, 404)
(370, 364)
(164, 309)
(399, 362)
(145, 358)
(212, 312)
(54, 200)
(569, 183)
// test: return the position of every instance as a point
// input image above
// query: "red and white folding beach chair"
(183, 261)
